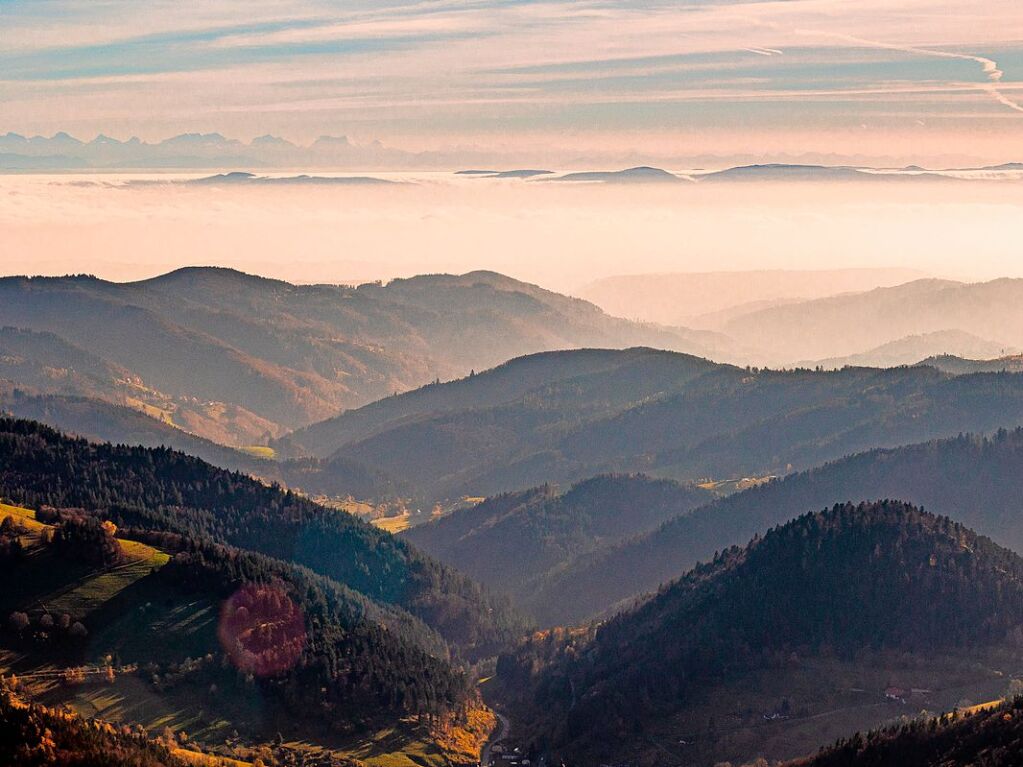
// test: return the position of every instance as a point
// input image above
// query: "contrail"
(989, 66)
(764, 51)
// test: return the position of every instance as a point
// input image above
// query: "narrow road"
(500, 733)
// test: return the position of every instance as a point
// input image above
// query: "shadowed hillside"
(974, 480)
(161, 491)
(992, 737)
(571, 415)
(850, 584)
(509, 541)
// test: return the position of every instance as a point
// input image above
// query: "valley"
(511, 384)
(568, 526)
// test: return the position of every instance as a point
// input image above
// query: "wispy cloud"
(988, 66)
(440, 72)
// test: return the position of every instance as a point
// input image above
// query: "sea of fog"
(127, 226)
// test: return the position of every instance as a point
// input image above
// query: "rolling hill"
(239, 359)
(974, 480)
(926, 348)
(990, 310)
(159, 491)
(641, 410)
(221, 643)
(510, 540)
(959, 366)
(101, 421)
(683, 298)
(835, 593)
(992, 736)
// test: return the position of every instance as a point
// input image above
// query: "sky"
(893, 80)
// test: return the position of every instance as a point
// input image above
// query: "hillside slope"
(992, 737)
(161, 491)
(240, 359)
(101, 421)
(219, 643)
(510, 540)
(990, 310)
(683, 298)
(849, 584)
(926, 346)
(641, 410)
(977, 481)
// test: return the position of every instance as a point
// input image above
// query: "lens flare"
(261, 630)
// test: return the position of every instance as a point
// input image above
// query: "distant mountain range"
(900, 319)
(240, 359)
(989, 310)
(956, 344)
(194, 150)
(776, 631)
(692, 298)
(64, 152)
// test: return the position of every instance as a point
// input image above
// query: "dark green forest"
(991, 738)
(162, 490)
(974, 479)
(877, 576)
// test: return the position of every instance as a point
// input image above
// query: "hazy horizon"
(561, 236)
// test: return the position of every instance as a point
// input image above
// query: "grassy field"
(205, 760)
(393, 524)
(259, 451)
(129, 616)
(137, 618)
(80, 595)
(408, 744)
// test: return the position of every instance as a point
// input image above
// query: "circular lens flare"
(261, 629)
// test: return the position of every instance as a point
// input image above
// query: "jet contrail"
(989, 66)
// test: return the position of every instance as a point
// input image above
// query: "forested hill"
(308, 651)
(877, 577)
(162, 490)
(975, 480)
(577, 379)
(508, 541)
(647, 411)
(37, 736)
(101, 421)
(992, 737)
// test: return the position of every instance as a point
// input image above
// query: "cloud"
(989, 67)
(434, 73)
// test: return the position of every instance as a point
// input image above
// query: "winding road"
(500, 733)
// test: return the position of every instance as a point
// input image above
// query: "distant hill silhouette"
(991, 310)
(640, 175)
(240, 359)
